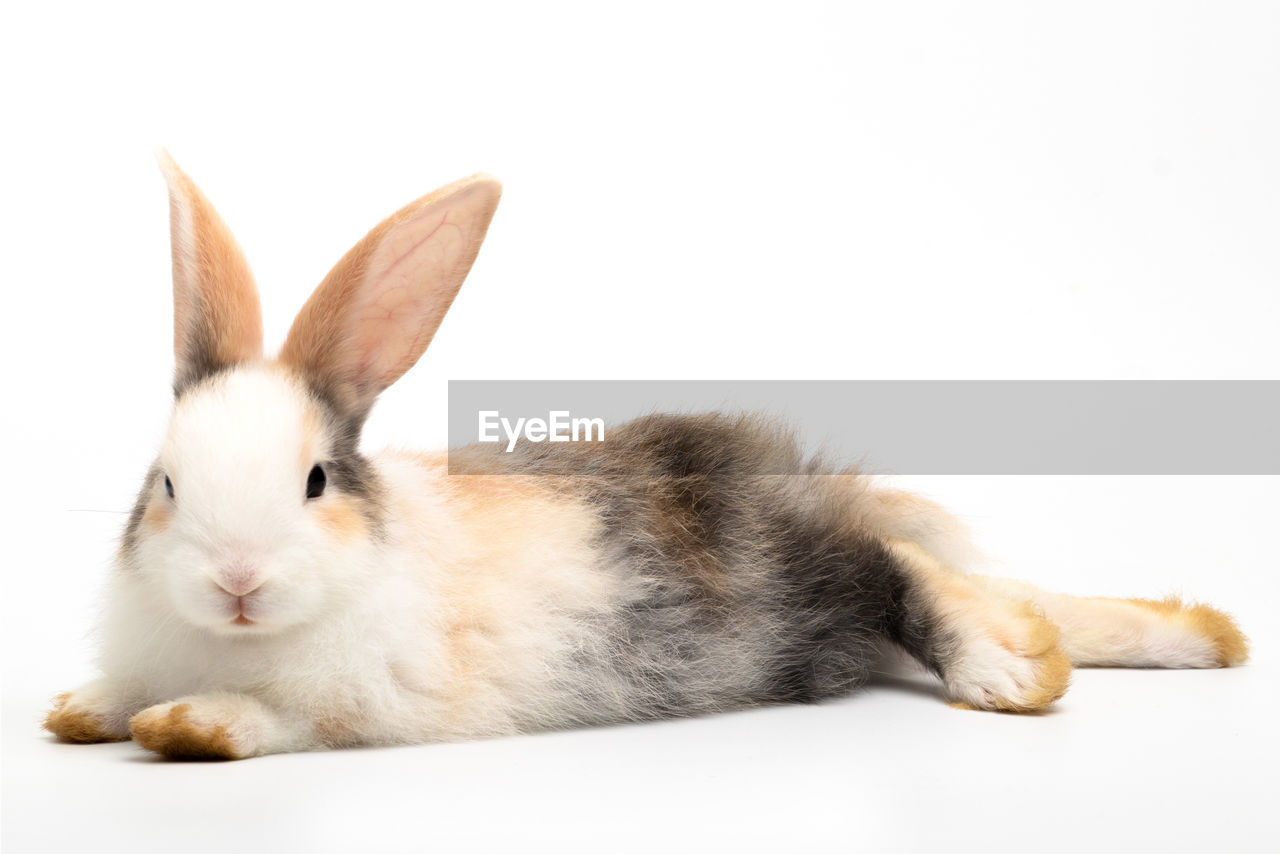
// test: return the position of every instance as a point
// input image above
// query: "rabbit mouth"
(241, 618)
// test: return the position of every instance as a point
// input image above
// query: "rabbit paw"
(87, 716)
(193, 728)
(1008, 660)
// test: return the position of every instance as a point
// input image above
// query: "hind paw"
(1212, 638)
(1008, 660)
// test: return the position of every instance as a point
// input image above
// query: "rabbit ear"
(217, 320)
(377, 310)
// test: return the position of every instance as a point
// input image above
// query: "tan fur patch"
(1218, 626)
(476, 599)
(217, 315)
(1044, 635)
(1053, 672)
(951, 587)
(174, 735)
(1101, 631)
(157, 516)
(498, 589)
(312, 430)
(75, 726)
(341, 517)
(482, 493)
(904, 505)
(1028, 642)
(1036, 639)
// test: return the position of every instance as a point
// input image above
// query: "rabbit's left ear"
(217, 319)
(377, 310)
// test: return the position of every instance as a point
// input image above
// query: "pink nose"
(238, 579)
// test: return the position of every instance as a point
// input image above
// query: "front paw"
(191, 729)
(83, 717)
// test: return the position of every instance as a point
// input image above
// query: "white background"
(736, 191)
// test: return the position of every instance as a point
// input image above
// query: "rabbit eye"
(315, 482)
(168, 486)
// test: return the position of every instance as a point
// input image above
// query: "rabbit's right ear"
(217, 319)
(377, 310)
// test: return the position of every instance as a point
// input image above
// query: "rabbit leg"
(1132, 632)
(218, 726)
(96, 712)
(992, 652)
(1095, 631)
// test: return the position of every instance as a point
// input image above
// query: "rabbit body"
(277, 590)
(667, 574)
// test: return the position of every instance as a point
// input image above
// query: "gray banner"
(920, 427)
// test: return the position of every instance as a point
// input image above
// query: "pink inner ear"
(377, 310)
(407, 287)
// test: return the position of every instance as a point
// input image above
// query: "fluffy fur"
(689, 564)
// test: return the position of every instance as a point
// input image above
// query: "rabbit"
(276, 590)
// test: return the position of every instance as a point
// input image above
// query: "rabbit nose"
(239, 579)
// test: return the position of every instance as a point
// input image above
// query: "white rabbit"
(277, 590)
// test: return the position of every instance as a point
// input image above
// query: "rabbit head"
(260, 514)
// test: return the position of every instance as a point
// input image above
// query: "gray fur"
(751, 584)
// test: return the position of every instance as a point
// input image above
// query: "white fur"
(331, 620)
(357, 634)
(232, 454)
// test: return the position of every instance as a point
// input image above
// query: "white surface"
(1127, 761)
(840, 191)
